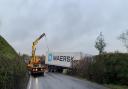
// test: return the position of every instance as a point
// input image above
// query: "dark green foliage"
(106, 68)
(12, 68)
(111, 68)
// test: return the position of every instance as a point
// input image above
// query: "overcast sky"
(70, 25)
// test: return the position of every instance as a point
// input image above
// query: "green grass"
(6, 50)
(111, 86)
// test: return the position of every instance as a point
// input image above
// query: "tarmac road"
(60, 81)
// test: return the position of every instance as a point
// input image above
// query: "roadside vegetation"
(116, 86)
(110, 69)
(12, 68)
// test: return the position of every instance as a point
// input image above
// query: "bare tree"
(124, 38)
(100, 43)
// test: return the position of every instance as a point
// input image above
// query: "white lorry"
(57, 61)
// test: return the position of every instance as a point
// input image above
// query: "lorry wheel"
(49, 70)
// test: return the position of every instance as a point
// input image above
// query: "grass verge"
(111, 86)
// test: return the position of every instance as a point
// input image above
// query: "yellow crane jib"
(34, 48)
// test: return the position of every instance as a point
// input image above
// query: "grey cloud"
(71, 25)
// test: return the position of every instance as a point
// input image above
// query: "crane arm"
(36, 41)
(33, 46)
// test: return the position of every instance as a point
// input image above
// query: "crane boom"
(34, 47)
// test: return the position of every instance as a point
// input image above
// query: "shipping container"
(62, 59)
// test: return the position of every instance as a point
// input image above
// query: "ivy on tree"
(100, 43)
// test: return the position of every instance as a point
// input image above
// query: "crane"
(34, 65)
(33, 60)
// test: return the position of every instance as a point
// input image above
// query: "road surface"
(60, 81)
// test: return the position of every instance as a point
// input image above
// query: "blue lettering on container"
(50, 57)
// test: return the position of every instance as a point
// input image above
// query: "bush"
(13, 74)
(105, 68)
(111, 68)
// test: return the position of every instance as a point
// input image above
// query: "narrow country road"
(60, 81)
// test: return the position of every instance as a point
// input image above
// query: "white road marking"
(30, 83)
(37, 83)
